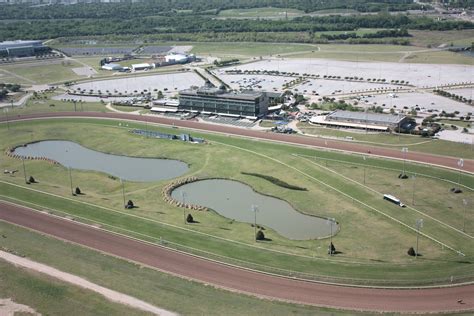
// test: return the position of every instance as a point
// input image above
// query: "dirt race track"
(449, 162)
(235, 279)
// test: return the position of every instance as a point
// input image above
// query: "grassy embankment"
(51, 297)
(413, 143)
(363, 249)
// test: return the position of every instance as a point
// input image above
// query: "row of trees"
(129, 9)
(203, 24)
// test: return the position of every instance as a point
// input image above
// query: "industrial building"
(363, 120)
(211, 100)
(22, 49)
(173, 59)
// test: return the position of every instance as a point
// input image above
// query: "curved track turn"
(240, 280)
(235, 279)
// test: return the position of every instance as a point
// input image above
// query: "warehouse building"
(363, 120)
(22, 48)
(211, 100)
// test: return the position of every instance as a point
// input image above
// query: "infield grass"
(366, 253)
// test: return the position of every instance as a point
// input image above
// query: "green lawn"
(440, 57)
(47, 295)
(436, 38)
(247, 49)
(185, 297)
(414, 143)
(232, 241)
(43, 72)
(264, 13)
(457, 123)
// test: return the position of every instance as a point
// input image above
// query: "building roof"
(140, 65)
(19, 43)
(365, 116)
(222, 94)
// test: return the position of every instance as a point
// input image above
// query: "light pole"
(460, 165)
(183, 196)
(404, 151)
(330, 222)
(419, 225)
(364, 166)
(464, 202)
(413, 189)
(123, 192)
(6, 114)
(70, 180)
(24, 170)
(255, 210)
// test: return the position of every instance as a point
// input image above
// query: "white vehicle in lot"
(393, 199)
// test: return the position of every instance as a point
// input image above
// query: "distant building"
(173, 59)
(362, 120)
(143, 66)
(211, 100)
(22, 48)
(112, 67)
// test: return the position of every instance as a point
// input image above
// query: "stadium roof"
(363, 116)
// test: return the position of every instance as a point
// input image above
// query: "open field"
(264, 13)
(144, 283)
(50, 296)
(436, 38)
(441, 57)
(232, 240)
(457, 123)
(42, 72)
(419, 75)
(247, 50)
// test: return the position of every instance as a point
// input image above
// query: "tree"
(129, 204)
(189, 218)
(77, 191)
(31, 180)
(260, 235)
(411, 252)
(332, 249)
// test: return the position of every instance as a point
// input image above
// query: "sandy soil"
(67, 277)
(9, 308)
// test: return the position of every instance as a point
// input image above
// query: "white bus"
(393, 199)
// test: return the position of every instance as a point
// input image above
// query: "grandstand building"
(364, 120)
(211, 100)
(22, 48)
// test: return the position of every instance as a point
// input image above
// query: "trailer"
(393, 199)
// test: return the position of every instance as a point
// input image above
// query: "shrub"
(331, 249)
(260, 235)
(31, 179)
(189, 219)
(129, 204)
(77, 191)
(411, 252)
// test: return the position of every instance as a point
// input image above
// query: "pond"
(234, 200)
(73, 155)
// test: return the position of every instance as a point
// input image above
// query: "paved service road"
(235, 279)
(450, 162)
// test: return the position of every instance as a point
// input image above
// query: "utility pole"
(413, 189)
(123, 192)
(6, 113)
(404, 151)
(364, 166)
(330, 222)
(419, 225)
(464, 202)
(70, 180)
(183, 196)
(24, 170)
(460, 165)
(255, 210)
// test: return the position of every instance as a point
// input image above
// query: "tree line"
(128, 9)
(45, 29)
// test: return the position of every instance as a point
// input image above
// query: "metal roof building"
(361, 120)
(22, 48)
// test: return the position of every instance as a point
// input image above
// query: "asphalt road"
(235, 279)
(444, 161)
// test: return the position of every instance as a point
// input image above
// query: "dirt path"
(10, 308)
(67, 277)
